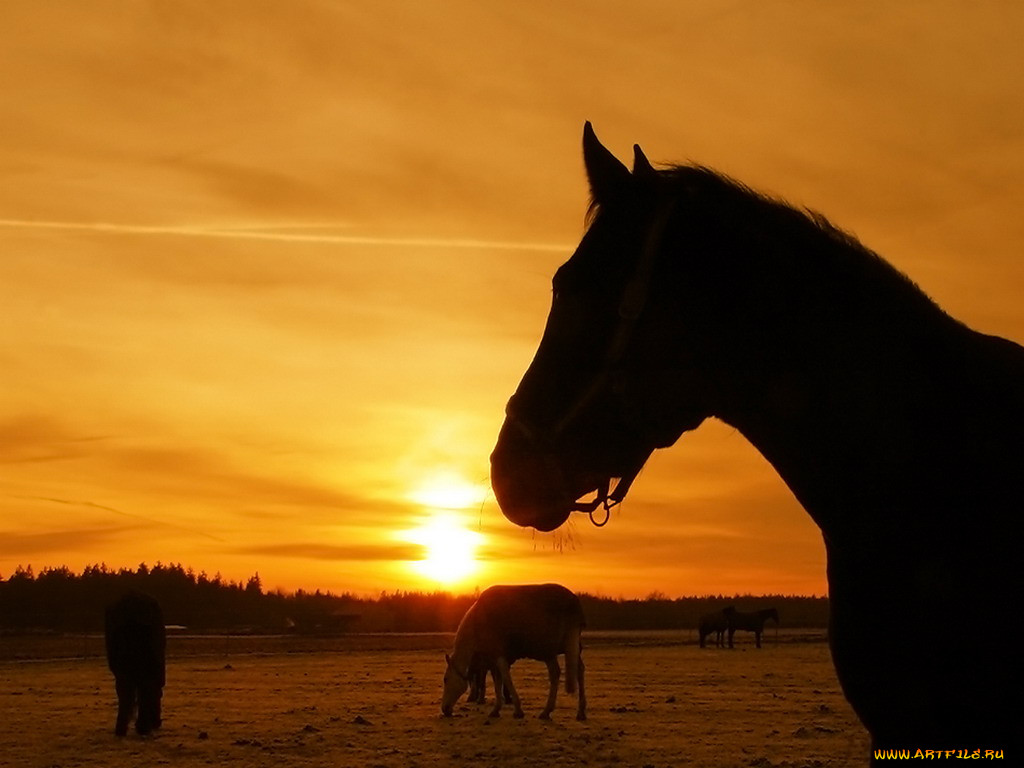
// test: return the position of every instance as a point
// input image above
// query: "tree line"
(60, 600)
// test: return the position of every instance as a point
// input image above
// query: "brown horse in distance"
(507, 623)
(750, 622)
(714, 623)
(136, 642)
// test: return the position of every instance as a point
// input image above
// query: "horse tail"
(572, 658)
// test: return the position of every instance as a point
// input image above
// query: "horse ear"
(642, 168)
(608, 177)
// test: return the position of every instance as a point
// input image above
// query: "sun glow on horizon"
(449, 548)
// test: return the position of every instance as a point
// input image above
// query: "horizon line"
(375, 595)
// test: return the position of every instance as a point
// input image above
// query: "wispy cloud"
(19, 546)
(357, 552)
(121, 513)
(34, 438)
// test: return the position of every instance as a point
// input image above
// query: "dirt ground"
(660, 705)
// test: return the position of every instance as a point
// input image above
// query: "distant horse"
(899, 429)
(713, 623)
(136, 643)
(507, 623)
(751, 622)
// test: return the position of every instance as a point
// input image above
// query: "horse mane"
(721, 197)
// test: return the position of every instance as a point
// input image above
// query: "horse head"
(602, 393)
(456, 681)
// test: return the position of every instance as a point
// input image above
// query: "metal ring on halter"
(607, 514)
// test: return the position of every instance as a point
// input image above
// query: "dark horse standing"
(713, 624)
(899, 429)
(749, 622)
(136, 643)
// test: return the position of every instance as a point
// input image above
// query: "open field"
(653, 701)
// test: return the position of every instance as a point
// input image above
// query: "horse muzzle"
(532, 485)
(528, 481)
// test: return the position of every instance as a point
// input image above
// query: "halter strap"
(631, 306)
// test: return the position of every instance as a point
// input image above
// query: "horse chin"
(547, 512)
(532, 501)
(544, 518)
(551, 520)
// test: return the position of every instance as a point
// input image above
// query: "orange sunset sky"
(270, 270)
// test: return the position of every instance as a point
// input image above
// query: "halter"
(456, 670)
(631, 306)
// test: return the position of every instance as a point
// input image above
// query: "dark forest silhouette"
(60, 600)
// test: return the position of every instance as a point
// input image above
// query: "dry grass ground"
(660, 705)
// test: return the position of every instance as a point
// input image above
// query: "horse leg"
(554, 672)
(581, 706)
(499, 692)
(149, 707)
(125, 687)
(477, 686)
(757, 637)
(506, 684)
(731, 633)
(503, 687)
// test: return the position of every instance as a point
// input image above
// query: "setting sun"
(449, 549)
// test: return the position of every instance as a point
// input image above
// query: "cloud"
(349, 552)
(151, 521)
(216, 479)
(32, 438)
(59, 543)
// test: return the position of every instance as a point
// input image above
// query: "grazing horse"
(507, 623)
(899, 429)
(136, 642)
(713, 623)
(751, 622)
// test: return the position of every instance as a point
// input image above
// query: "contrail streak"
(122, 513)
(282, 237)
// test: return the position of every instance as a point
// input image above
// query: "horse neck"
(826, 373)
(465, 643)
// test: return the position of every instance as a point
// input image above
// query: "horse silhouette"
(507, 623)
(136, 642)
(899, 429)
(750, 622)
(715, 624)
